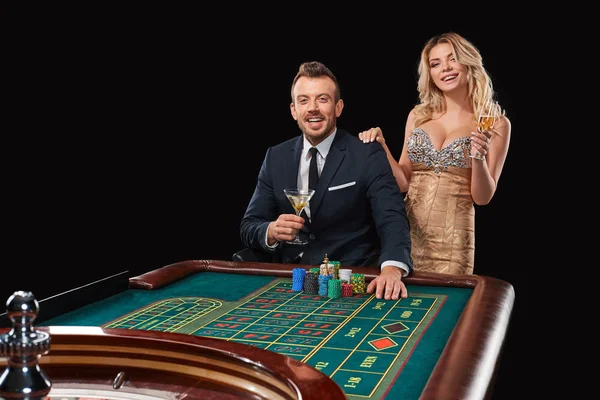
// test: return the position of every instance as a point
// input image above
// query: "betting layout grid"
(368, 336)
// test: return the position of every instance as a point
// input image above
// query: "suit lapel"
(292, 164)
(336, 155)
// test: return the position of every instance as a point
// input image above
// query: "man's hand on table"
(388, 284)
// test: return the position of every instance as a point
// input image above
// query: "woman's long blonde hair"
(431, 97)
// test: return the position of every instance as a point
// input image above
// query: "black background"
(133, 140)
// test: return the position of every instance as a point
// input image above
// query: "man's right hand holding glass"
(284, 228)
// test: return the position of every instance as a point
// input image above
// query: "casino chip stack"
(311, 283)
(345, 274)
(334, 269)
(358, 282)
(298, 279)
(347, 289)
(334, 288)
(323, 270)
(323, 285)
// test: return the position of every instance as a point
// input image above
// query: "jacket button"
(312, 236)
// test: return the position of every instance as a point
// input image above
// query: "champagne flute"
(488, 114)
(299, 199)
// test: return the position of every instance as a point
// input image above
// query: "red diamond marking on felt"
(383, 343)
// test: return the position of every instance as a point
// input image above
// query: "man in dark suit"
(356, 215)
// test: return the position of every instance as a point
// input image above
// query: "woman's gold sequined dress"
(439, 205)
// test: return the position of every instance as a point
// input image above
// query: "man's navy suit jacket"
(357, 212)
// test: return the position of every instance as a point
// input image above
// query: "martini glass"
(299, 199)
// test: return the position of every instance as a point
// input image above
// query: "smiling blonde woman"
(449, 161)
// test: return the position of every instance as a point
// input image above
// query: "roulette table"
(443, 341)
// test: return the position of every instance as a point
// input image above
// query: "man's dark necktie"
(313, 172)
